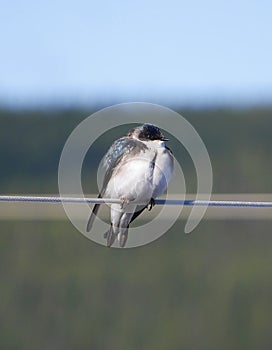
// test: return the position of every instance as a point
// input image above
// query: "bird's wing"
(119, 149)
(93, 215)
(170, 151)
(139, 209)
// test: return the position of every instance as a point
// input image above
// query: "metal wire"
(176, 202)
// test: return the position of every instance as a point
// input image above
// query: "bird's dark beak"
(165, 139)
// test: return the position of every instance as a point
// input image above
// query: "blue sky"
(88, 52)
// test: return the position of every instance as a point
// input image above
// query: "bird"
(138, 168)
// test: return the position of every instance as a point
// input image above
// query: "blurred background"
(211, 62)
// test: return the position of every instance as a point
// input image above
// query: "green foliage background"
(208, 290)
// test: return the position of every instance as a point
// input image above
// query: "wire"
(51, 199)
(176, 202)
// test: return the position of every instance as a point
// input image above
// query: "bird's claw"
(151, 204)
(124, 202)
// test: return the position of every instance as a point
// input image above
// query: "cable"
(176, 202)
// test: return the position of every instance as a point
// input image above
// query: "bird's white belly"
(142, 177)
(133, 180)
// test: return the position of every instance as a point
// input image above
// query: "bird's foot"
(124, 202)
(151, 204)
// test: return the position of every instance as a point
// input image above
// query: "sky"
(182, 52)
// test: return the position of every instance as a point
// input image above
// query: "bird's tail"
(122, 236)
(93, 215)
(111, 235)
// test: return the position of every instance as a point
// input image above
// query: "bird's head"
(147, 132)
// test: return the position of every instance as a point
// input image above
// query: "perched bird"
(138, 168)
